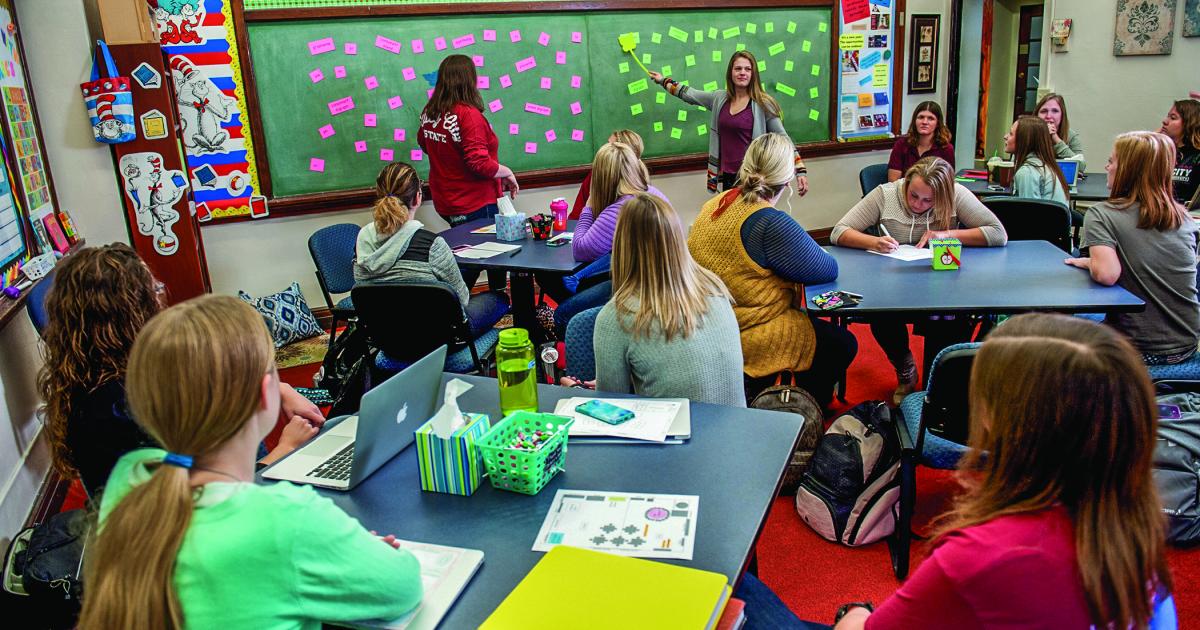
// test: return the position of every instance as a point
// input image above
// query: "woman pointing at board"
(741, 112)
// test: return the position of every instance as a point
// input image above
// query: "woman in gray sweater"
(669, 330)
(396, 248)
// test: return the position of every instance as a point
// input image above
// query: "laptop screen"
(1070, 169)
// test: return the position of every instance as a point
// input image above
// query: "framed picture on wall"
(922, 68)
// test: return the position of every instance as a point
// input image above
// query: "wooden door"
(1029, 55)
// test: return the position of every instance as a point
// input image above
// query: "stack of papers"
(485, 250)
(651, 420)
(445, 572)
(908, 252)
(487, 229)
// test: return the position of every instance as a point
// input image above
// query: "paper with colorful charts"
(641, 525)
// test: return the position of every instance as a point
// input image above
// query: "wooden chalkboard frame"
(360, 198)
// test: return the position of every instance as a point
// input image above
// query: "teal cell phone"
(605, 412)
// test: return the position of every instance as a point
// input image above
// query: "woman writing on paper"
(928, 136)
(1067, 144)
(741, 112)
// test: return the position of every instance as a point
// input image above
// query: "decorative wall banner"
(866, 62)
(1191, 18)
(1144, 27)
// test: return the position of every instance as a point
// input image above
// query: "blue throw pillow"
(287, 315)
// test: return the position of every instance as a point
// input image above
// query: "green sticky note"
(703, 109)
(646, 58)
(699, 35)
(678, 33)
(660, 97)
(689, 60)
(822, 27)
(776, 48)
(789, 65)
(637, 38)
(784, 88)
(816, 70)
(635, 109)
(814, 114)
(681, 115)
(751, 28)
(740, 47)
(710, 86)
(712, 32)
(623, 67)
(658, 126)
(656, 38)
(813, 92)
(701, 130)
(676, 133)
(762, 65)
(806, 46)
(639, 86)
(769, 27)
(791, 27)
(732, 31)
(716, 55)
(666, 71)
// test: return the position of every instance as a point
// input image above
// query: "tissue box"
(452, 465)
(947, 253)
(510, 227)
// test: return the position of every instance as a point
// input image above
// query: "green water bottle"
(517, 369)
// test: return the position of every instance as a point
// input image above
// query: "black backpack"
(790, 398)
(45, 563)
(344, 371)
(1177, 459)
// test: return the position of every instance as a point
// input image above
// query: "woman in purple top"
(927, 136)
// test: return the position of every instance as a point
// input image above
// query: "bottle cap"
(514, 337)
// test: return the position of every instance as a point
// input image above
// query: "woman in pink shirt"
(1059, 525)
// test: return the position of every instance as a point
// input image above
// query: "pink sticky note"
(439, 43)
(576, 37)
(316, 75)
(316, 165)
(526, 64)
(350, 48)
(514, 129)
(483, 82)
(537, 109)
(505, 81)
(495, 106)
(477, 60)
(551, 136)
(389, 45)
(339, 72)
(416, 155)
(319, 46)
(429, 93)
(417, 46)
(464, 41)
(489, 35)
(368, 120)
(360, 146)
(395, 102)
(341, 105)
(576, 80)
(398, 135)
(371, 82)
(531, 147)
(515, 36)
(409, 74)
(544, 39)
(560, 58)
(326, 131)
(546, 83)
(576, 108)
(386, 155)
(577, 135)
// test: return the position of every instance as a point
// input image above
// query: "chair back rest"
(871, 177)
(35, 302)
(581, 357)
(1033, 219)
(332, 250)
(411, 319)
(947, 411)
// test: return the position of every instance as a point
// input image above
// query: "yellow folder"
(583, 589)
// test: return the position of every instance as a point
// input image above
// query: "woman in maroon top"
(465, 176)
(927, 135)
(1059, 525)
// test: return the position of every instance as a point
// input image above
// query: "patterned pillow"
(287, 315)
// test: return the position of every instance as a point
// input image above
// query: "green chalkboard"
(297, 90)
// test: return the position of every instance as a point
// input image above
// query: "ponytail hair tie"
(175, 459)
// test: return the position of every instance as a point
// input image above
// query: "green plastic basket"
(518, 470)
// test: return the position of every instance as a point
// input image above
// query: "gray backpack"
(790, 398)
(1177, 459)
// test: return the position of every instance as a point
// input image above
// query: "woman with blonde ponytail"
(396, 248)
(213, 549)
(764, 257)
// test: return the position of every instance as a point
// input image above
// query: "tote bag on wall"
(109, 102)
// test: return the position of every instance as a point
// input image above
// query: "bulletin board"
(866, 68)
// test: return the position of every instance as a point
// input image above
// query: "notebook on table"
(445, 572)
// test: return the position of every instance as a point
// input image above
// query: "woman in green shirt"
(213, 548)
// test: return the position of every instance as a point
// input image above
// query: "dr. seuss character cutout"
(178, 21)
(153, 191)
(108, 127)
(203, 108)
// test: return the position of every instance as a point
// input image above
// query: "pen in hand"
(893, 244)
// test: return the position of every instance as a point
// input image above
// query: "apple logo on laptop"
(402, 414)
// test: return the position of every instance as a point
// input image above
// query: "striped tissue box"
(452, 465)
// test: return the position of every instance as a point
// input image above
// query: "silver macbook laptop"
(1070, 169)
(353, 447)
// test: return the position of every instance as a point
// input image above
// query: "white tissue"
(448, 418)
(506, 207)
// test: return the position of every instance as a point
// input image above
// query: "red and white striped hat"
(183, 66)
(104, 105)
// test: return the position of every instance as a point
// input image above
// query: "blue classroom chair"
(581, 357)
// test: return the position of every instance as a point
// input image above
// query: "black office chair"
(332, 251)
(933, 431)
(871, 177)
(1033, 219)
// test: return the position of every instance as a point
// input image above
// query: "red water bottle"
(558, 208)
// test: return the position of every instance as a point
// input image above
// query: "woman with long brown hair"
(1052, 108)
(740, 113)
(669, 330)
(215, 549)
(1182, 126)
(1143, 240)
(102, 296)
(928, 136)
(1059, 524)
(1038, 175)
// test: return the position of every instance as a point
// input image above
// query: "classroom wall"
(1108, 95)
(24, 456)
(1006, 27)
(969, 61)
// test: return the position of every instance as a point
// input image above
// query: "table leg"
(523, 306)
